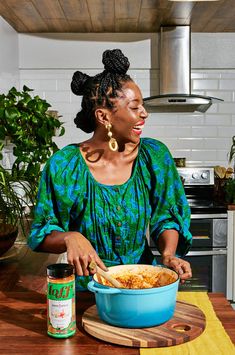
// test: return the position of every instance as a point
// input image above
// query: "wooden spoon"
(104, 274)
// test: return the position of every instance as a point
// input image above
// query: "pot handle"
(91, 286)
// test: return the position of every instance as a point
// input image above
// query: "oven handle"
(200, 252)
(208, 215)
(207, 252)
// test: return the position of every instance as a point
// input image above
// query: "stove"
(208, 254)
(208, 225)
(200, 192)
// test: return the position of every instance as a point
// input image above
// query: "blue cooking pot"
(135, 308)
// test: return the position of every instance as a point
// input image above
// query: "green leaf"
(13, 92)
(11, 113)
(26, 89)
(62, 131)
(3, 132)
(2, 110)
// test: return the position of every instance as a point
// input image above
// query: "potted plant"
(231, 154)
(12, 213)
(229, 188)
(29, 128)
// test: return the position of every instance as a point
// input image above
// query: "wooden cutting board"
(187, 323)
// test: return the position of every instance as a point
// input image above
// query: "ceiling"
(95, 16)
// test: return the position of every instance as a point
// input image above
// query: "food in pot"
(143, 278)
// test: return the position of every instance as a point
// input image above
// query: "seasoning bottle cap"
(60, 270)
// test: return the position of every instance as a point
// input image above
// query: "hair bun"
(115, 62)
(78, 82)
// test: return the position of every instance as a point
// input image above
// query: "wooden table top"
(23, 312)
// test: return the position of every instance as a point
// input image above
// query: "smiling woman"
(98, 197)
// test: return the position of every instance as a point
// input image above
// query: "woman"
(97, 198)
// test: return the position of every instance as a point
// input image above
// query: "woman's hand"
(182, 267)
(80, 253)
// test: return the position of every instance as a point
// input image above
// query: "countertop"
(23, 312)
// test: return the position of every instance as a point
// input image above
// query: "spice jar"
(61, 312)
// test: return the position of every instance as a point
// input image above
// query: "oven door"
(209, 230)
(209, 271)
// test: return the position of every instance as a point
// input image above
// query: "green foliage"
(229, 188)
(26, 123)
(231, 154)
(11, 205)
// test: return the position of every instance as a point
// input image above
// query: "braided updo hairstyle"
(98, 90)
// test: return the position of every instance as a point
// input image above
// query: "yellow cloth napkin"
(213, 341)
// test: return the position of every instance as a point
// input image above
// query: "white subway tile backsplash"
(198, 92)
(191, 143)
(228, 84)
(154, 131)
(216, 143)
(227, 74)
(47, 84)
(58, 96)
(194, 119)
(39, 84)
(213, 119)
(226, 108)
(226, 131)
(177, 131)
(204, 131)
(143, 84)
(171, 143)
(213, 75)
(217, 162)
(222, 155)
(205, 84)
(140, 74)
(31, 83)
(181, 153)
(63, 84)
(45, 74)
(203, 139)
(66, 108)
(197, 76)
(162, 119)
(203, 154)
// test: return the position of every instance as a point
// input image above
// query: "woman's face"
(128, 115)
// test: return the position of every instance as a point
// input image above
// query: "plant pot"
(8, 234)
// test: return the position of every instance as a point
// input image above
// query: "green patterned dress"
(113, 217)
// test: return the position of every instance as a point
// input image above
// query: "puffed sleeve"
(46, 218)
(170, 209)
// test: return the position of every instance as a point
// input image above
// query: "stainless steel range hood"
(175, 75)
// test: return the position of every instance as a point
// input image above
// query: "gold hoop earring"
(112, 141)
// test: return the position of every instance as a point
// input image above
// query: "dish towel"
(213, 341)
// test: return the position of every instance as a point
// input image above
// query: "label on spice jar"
(61, 309)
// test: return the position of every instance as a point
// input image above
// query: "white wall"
(47, 63)
(9, 57)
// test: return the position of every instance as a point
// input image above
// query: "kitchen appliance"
(135, 308)
(208, 254)
(175, 75)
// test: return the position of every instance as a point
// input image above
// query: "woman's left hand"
(182, 267)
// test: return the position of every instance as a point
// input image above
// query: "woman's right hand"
(80, 253)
